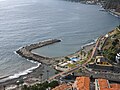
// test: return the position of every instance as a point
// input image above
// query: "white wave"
(33, 61)
(113, 14)
(90, 43)
(17, 75)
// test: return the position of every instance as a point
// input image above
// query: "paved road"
(93, 73)
(65, 73)
(94, 51)
(77, 67)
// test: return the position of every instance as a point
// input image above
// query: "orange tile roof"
(104, 85)
(115, 85)
(62, 87)
(83, 83)
(109, 89)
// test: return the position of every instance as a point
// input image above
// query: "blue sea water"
(23, 22)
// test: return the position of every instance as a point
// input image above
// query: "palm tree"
(47, 74)
(4, 87)
(81, 53)
(41, 76)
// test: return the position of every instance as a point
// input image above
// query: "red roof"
(104, 85)
(83, 83)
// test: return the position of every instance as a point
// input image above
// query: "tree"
(67, 58)
(53, 84)
(41, 76)
(25, 87)
(81, 54)
(119, 26)
(47, 74)
(4, 87)
(45, 84)
(115, 42)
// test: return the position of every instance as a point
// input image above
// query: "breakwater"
(27, 53)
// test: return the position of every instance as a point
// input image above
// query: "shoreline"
(42, 43)
(27, 53)
(35, 71)
(116, 14)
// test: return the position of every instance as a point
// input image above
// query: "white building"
(118, 58)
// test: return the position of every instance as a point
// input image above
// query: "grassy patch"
(112, 46)
(71, 65)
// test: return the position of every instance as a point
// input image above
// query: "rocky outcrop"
(27, 53)
(107, 4)
(112, 4)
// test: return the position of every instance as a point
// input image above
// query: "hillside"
(112, 4)
(107, 4)
(112, 45)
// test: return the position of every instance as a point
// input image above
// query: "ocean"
(23, 22)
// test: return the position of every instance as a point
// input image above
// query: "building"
(82, 83)
(63, 87)
(103, 84)
(74, 59)
(117, 58)
(101, 60)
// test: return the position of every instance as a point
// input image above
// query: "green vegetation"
(71, 65)
(107, 4)
(92, 60)
(112, 4)
(89, 53)
(118, 26)
(67, 58)
(41, 86)
(111, 47)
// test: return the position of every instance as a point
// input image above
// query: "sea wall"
(27, 53)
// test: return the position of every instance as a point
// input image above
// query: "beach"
(34, 76)
(24, 22)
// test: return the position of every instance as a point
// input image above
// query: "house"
(82, 83)
(63, 87)
(117, 58)
(101, 60)
(103, 84)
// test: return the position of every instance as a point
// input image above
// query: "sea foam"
(89, 43)
(25, 72)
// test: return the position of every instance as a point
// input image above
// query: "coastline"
(116, 14)
(37, 71)
(35, 74)
(27, 53)
(42, 57)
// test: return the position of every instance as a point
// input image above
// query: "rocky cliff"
(112, 4)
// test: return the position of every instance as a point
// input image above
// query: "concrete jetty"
(27, 53)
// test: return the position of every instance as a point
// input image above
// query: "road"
(93, 73)
(77, 67)
(94, 51)
(65, 73)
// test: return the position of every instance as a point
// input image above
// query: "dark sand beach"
(34, 76)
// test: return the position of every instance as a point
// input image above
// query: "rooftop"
(63, 87)
(103, 84)
(83, 83)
